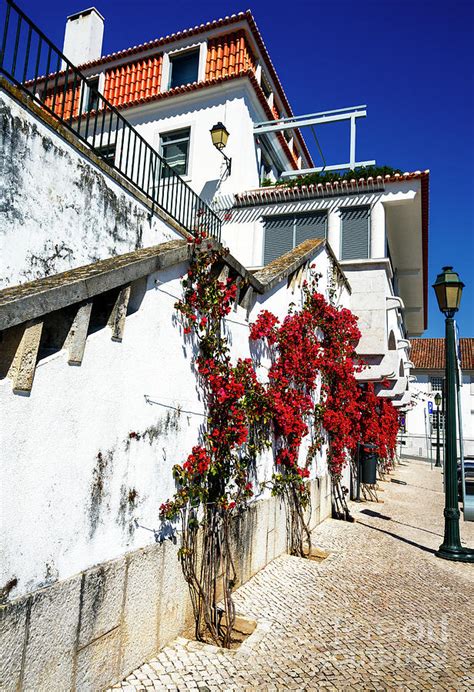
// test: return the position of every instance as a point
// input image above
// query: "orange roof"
(199, 29)
(229, 55)
(134, 81)
(283, 193)
(227, 67)
(428, 354)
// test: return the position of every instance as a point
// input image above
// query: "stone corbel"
(23, 367)
(403, 343)
(119, 313)
(394, 303)
(76, 339)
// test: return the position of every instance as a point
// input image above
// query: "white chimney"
(83, 36)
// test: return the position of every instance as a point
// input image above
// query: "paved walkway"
(380, 613)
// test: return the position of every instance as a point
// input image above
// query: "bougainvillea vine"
(215, 480)
(311, 389)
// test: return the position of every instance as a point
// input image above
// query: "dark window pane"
(184, 69)
(174, 150)
(93, 98)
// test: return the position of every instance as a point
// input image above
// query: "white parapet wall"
(90, 590)
(61, 206)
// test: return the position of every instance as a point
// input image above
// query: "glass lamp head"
(448, 289)
(219, 136)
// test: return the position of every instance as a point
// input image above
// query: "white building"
(175, 89)
(97, 389)
(428, 359)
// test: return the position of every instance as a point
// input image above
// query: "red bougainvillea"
(379, 423)
(311, 387)
(216, 473)
(313, 344)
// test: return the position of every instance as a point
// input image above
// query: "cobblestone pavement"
(380, 613)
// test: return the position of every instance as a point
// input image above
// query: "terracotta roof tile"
(428, 354)
(228, 56)
(133, 81)
(282, 193)
(63, 101)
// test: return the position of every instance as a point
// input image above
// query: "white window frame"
(200, 47)
(181, 126)
(100, 76)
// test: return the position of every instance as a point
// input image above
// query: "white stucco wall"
(57, 209)
(234, 105)
(73, 480)
(419, 430)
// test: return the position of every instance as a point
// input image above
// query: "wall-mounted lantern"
(219, 136)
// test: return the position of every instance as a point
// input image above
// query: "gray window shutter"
(310, 226)
(355, 233)
(278, 237)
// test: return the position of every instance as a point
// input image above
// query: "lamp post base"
(455, 554)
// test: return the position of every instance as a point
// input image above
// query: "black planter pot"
(368, 468)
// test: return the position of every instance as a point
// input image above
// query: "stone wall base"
(92, 630)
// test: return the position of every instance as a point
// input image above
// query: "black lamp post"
(219, 136)
(438, 404)
(448, 288)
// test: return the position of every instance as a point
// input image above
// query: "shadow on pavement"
(400, 538)
(377, 515)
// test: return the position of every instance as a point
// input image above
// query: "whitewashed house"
(97, 389)
(421, 419)
(175, 89)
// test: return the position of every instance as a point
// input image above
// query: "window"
(355, 233)
(107, 153)
(175, 150)
(269, 164)
(266, 169)
(285, 232)
(184, 68)
(266, 87)
(437, 384)
(434, 421)
(92, 97)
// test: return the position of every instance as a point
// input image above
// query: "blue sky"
(410, 62)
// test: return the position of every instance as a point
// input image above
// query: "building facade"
(97, 385)
(175, 89)
(421, 419)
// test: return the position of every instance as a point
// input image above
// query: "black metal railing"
(32, 62)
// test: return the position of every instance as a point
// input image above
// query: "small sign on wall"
(430, 407)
